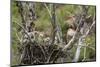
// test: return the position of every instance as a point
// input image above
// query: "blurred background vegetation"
(43, 24)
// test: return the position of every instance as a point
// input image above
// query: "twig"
(84, 54)
(42, 51)
(73, 38)
(87, 47)
(59, 32)
(77, 54)
(24, 31)
(49, 57)
(48, 10)
(18, 38)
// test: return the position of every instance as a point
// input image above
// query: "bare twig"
(42, 51)
(48, 10)
(24, 31)
(87, 46)
(73, 38)
(80, 43)
(18, 38)
(49, 57)
(84, 54)
(77, 54)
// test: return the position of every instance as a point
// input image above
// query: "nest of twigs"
(35, 53)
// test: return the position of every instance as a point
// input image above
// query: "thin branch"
(49, 57)
(18, 38)
(77, 54)
(53, 22)
(59, 32)
(84, 54)
(73, 38)
(80, 43)
(89, 29)
(24, 31)
(87, 47)
(48, 10)
(42, 50)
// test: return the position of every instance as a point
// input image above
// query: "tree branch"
(80, 43)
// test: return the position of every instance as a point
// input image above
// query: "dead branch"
(80, 43)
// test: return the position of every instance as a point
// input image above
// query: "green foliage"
(92, 10)
(90, 53)
(15, 16)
